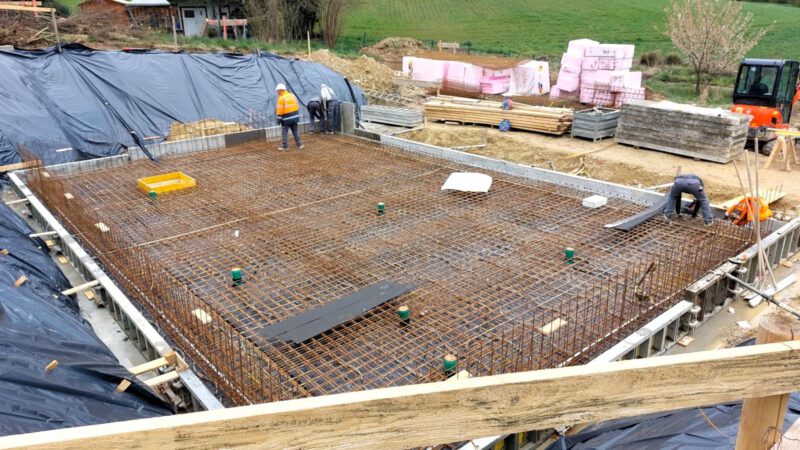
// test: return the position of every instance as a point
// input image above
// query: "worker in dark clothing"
(315, 115)
(330, 107)
(688, 184)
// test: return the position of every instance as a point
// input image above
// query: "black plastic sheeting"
(38, 325)
(684, 429)
(100, 102)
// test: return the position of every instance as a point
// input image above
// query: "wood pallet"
(703, 133)
(484, 112)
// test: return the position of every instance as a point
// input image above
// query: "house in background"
(193, 13)
(149, 13)
(190, 15)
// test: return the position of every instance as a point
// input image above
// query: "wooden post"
(762, 417)
(308, 38)
(54, 20)
(174, 34)
(224, 28)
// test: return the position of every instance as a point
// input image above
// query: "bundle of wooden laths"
(541, 119)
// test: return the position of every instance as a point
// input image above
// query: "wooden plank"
(762, 418)
(457, 410)
(123, 385)
(162, 379)
(80, 287)
(21, 165)
(20, 281)
(553, 326)
(26, 8)
(768, 196)
(169, 359)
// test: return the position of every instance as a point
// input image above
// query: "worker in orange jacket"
(288, 112)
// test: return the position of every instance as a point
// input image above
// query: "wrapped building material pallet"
(404, 117)
(522, 117)
(711, 134)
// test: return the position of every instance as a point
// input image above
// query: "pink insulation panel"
(568, 81)
(495, 85)
(572, 60)
(578, 46)
(465, 73)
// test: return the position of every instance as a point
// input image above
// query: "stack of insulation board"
(599, 74)
(522, 78)
(522, 117)
(404, 117)
(711, 134)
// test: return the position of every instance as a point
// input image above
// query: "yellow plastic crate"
(167, 182)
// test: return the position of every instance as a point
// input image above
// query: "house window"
(188, 13)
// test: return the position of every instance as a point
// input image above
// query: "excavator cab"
(766, 89)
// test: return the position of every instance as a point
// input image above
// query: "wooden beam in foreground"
(21, 165)
(26, 8)
(417, 415)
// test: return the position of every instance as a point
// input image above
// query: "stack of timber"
(522, 117)
(711, 134)
(403, 117)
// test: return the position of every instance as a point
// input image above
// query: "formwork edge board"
(773, 237)
(649, 330)
(712, 277)
(523, 171)
(188, 377)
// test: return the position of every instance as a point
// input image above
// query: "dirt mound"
(397, 44)
(363, 71)
(391, 50)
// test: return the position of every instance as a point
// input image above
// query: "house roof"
(143, 2)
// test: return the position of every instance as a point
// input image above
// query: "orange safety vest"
(287, 106)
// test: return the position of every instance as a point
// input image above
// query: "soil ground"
(606, 160)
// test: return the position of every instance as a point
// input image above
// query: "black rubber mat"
(308, 324)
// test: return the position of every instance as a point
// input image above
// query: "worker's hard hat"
(280, 87)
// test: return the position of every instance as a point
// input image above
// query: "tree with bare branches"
(281, 20)
(331, 19)
(714, 35)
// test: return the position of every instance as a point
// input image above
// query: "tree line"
(285, 20)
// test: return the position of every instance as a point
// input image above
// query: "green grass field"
(543, 27)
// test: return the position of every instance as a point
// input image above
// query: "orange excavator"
(766, 89)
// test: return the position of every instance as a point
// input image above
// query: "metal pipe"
(767, 297)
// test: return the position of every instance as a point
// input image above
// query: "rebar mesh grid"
(490, 269)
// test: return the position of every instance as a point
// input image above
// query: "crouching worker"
(288, 113)
(315, 116)
(693, 185)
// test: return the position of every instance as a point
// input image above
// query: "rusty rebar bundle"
(494, 286)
